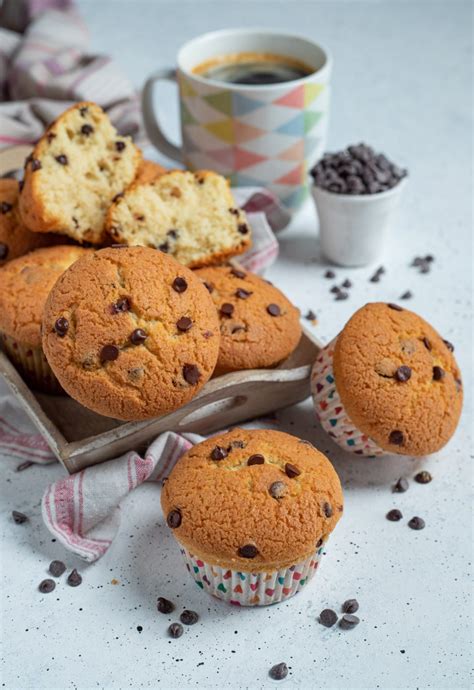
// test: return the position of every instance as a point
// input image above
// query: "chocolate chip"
(164, 605)
(406, 295)
(209, 287)
(121, 305)
(330, 275)
(396, 437)
(319, 543)
(3, 251)
(416, 523)
(175, 630)
(273, 310)
(191, 374)
(394, 515)
(24, 466)
(243, 294)
(173, 234)
(184, 324)
(396, 307)
(438, 373)
(164, 247)
(19, 518)
(310, 315)
(179, 284)
(57, 568)
(427, 344)
(449, 345)
(174, 518)
(291, 470)
(347, 283)
(350, 606)
(74, 578)
(109, 353)
(117, 197)
(234, 211)
(120, 145)
(35, 164)
(327, 510)
(348, 621)
(403, 374)
(227, 309)
(61, 326)
(256, 459)
(5, 207)
(138, 336)
(335, 289)
(328, 618)
(87, 130)
(248, 551)
(423, 477)
(218, 453)
(243, 229)
(189, 617)
(375, 278)
(62, 159)
(401, 486)
(50, 136)
(238, 274)
(279, 671)
(84, 110)
(341, 295)
(46, 586)
(277, 490)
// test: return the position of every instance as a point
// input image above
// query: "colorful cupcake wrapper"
(331, 412)
(32, 364)
(251, 589)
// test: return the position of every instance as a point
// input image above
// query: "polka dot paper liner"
(252, 589)
(331, 412)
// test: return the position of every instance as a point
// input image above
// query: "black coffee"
(254, 71)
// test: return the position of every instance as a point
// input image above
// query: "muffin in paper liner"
(330, 409)
(248, 588)
(32, 364)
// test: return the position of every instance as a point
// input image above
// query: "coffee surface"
(254, 69)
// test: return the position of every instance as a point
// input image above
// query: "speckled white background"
(402, 83)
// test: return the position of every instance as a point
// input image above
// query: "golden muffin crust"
(259, 325)
(130, 333)
(148, 171)
(398, 379)
(276, 511)
(25, 284)
(15, 238)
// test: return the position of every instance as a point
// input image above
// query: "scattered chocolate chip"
(209, 287)
(248, 551)
(341, 295)
(427, 344)
(164, 247)
(175, 630)
(416, 523)
(121, 305)
(310, 316)
(438, 373)
(5, 207)
(243, 228)
(109, 353)
(184, 324)
(35, 164)
(406, 295)
(50, 136)
(227, 309)
(403, 374)
(120, 145)
(243, 294)
(164, 605)
(401, 486)
(396, 437)
(335, 289)
(291, 470)
(57, 568)
(327, 510)
(61, 326)
(394, 515)
(87, 130)
(19, 518)
(279, 671)
(218, 453)
(84, 110)
(238, 274)
(395, 307)
(74, 578)
(62, 159)
(189, 617)
(375, 278)
(330, 275)
(3, 251)
(138, 336)
(273, 310)
(319, 543)
(174, 518)
(117, 197)
(234, 211)
(328, 618)
(347, 283)
(173, 233)
(449, 345)
(348, 621)
(179, 284)
(24, 466)
(423, 477)
(277, 490)
(139, 628)
(256, 459)
(191, 374)
(46, 586)
(350, 606)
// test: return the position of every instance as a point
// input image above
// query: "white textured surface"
(402, 83)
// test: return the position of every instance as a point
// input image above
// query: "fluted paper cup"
(32, 364)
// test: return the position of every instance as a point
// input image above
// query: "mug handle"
(152, 125)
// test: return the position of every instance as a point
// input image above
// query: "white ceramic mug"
(267, 135)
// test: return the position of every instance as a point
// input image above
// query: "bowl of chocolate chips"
(356, 192)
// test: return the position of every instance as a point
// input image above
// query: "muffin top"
(259, 325)
(398, 379)
(130, 333)
(252, 500)
(24, 287)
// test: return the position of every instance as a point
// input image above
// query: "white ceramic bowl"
(353, 228)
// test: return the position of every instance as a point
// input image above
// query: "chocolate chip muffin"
(75, 170)
(130, 333)
(25, 284)
(259, 325)
(251, 510)
(389, 383)
(15, 238)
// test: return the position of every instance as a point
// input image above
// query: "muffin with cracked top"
(130, 333)
(251, 510)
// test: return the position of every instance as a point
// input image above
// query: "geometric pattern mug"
(266, 135)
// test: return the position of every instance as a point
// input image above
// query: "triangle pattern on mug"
(293, 153)
(221, 101)
(311, 92)
(242, 105)
(295, 127)
(222, 129)
(293, 99)
(245, 159)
